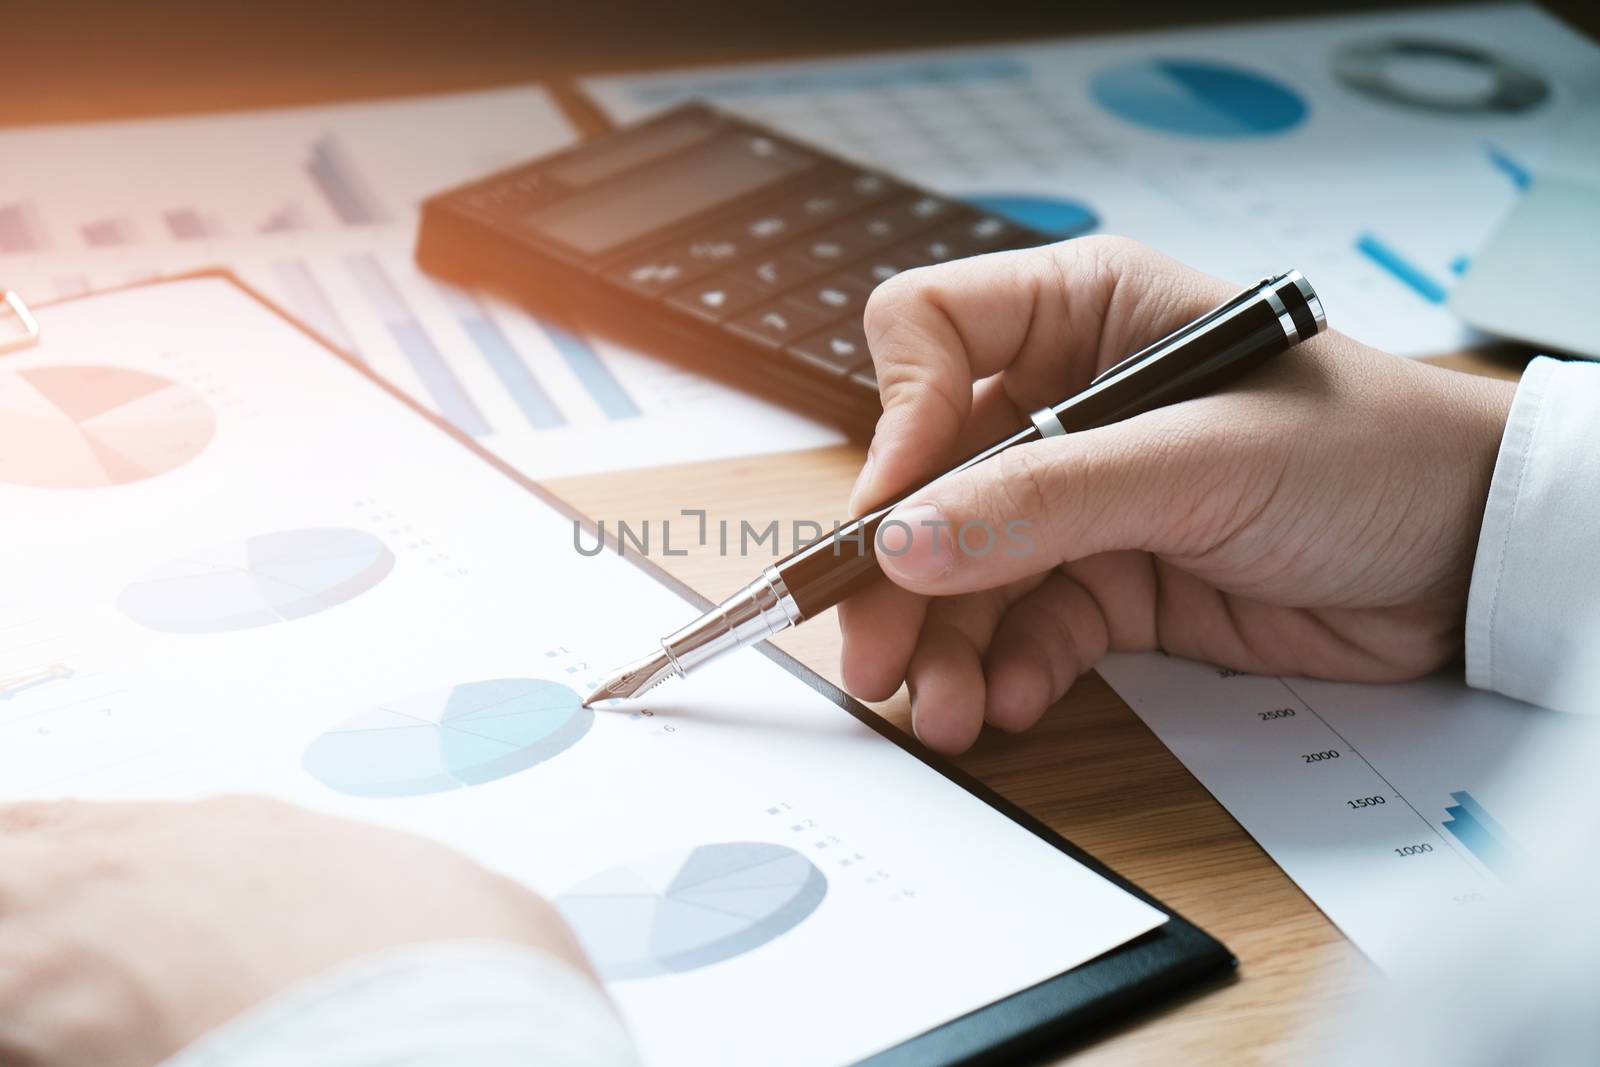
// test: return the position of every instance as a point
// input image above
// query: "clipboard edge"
(1064, 1011)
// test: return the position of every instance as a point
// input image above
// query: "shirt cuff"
(1533, 610)
(487, 1004)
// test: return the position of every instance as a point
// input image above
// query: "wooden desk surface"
(1091, 770)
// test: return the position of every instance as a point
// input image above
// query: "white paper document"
(318, 208)
(232, 562)
(1382, 802)
(1243, 150)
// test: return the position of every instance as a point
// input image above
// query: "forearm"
(436, 1005)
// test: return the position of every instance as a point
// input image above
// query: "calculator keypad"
(794, 274)
(735, 247)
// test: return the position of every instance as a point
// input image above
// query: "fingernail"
(914, 542)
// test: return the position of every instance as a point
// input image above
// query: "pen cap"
(1300, 302)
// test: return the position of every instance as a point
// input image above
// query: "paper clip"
(26, 335)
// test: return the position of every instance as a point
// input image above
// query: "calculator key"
(834, 297)
(716, 298)
(829, 250)
(657, 272)
(931, 248)
(766, 226)
(991, 232)
(867, 187)
(916, 212)
(776, 324)
(873, 270)
(782, 270)
(824, 200)
(840, 349)
(866, 376)
(869, 231)
(717, 251)
(958, 239)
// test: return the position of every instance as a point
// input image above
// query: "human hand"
(127, 931)
(1320, 518)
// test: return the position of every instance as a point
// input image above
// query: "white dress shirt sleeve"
(446, 1004)
(1533, 613)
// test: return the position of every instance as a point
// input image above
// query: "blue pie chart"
(1053, 215)
(445, 739)
(1198, 98)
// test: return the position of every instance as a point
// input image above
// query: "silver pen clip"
(26, 335)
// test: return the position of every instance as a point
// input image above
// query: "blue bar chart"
(1479, 833)
(188, 224)
(449, 396)
(308, 299)
(1400, 268)
(586, 365)
(287, 219)
(348, 195)
(108, 233)
(497, 350)
(20, 228)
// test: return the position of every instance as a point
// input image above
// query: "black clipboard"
(1055, 1014)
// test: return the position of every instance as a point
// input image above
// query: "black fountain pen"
(1268, 318)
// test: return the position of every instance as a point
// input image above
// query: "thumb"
(1160, 482)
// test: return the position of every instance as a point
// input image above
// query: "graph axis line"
(1362, 756)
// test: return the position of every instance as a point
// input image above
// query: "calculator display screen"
(612, 213)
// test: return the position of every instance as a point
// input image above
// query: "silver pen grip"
(754, 613)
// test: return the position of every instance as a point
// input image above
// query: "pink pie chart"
(80, 426)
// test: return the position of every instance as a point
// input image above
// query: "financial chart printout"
(288, 582)
(318, 207)
(1373, 153)
(1383, 802)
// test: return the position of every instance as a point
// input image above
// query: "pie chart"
(1055, 216)
(270, 578)
(679, 911)
(1198, 98)
(449, 738)
(77, 426)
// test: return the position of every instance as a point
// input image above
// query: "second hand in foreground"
(1199, 357)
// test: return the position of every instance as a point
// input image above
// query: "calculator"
(707, 239)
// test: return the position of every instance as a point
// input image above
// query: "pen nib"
(633, 679)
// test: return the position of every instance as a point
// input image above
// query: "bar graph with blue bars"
(1469, 824)
(449, 394)
(348, 195)
(20, 228)
(1400, 268)
(311, 303)
(187, 224)
(286, 219)
(497, 350)
(586, 364)
(108, 233)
